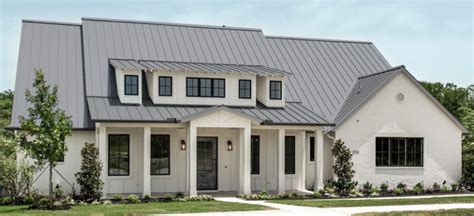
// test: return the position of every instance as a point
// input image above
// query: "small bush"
(7, 201)
(454, 187)
(58, 192)
(132, 198)
(418, 188)
(167, 198)
(317, 195)
(445, 189)
(263, 193)
(199, 198)
(384, 187)
(401, 186)
(366, 188)
(179, 195)
(117, 197)
(107, 202)
(398, 191)
(436, 187)
(147, 197)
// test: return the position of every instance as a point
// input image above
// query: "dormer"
(185, 83)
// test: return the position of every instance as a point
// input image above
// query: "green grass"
(138, 209)
(375, 202)
(458, 212)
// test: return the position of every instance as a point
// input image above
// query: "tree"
(343, 168)
(89, 176)
(6, 102)
(44, 130)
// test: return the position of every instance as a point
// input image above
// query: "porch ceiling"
(105, 109)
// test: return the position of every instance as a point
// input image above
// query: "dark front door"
(207, 163)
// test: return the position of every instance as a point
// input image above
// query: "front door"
(207, 163)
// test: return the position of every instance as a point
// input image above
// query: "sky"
(432, 38)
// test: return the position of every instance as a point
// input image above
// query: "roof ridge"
(381, 72)
(50, 22)
(316, 39)
(223, 27)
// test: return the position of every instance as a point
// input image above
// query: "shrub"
(89, 176)
(398, 191)
(317, 195)
(132, 198)
(436, 187)
(454, 187)
(117, 197)
(384, 187)
(366, 188)
(402, 186)
(147, 197)
(199, 198)
(418, 188)
(179, 195)
(343, 168)
(445, 189)
(167, 198)
(58, 192)
(106, 202)
(263, 193)
(6, 200)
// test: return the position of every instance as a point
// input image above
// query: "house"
(195, 108)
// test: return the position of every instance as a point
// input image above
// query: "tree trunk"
(50, 186)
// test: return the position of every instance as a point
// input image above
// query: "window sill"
(120, 177)
(161, 176)
(399, 168)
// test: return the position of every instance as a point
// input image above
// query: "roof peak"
(223, 27)
(316, 39)
(384, 71)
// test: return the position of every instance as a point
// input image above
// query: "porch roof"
(104, 109)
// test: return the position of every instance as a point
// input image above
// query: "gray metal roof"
(323, 71)
(110, 109)
(368, 86)
(56, 48)
(194, 67)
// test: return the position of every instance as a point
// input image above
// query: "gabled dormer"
(184, 83)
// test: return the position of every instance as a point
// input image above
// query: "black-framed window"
(311, 149)
(205, 87)
(275, 90)
(289, 155)
(160, 155)
(131, 84)
(165, 86)
(398, 152)
(119, 155)
(245, 89)
(255, 155)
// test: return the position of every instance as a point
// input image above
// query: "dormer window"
(165, 85)
(275, 90)
(245, 89)
(131, 85)
(205, 87)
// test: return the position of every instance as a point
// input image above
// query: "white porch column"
(244, 166)
(302, 185)
(101, 143)
(281, 161)
(319, 179)
(146, 160)
(191, 160)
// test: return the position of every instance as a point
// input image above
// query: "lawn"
(376, 202)
(458, 212)
(139, 209)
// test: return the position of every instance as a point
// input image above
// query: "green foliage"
(58, 192)
(343, 168)
(384, 188)
(44, 130)
(6, 103)
(418, 188)
(167, 198)
(147, 197)
(445, 189)
(89, 176)
(398, 191)
(366, 188)
(15, 175)
(133, 199)
(454, 187)
(402, 186)
(117, 197)
(436, 187)
(179, 195)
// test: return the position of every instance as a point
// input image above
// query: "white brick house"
(193, 108)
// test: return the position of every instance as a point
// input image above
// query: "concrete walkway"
(290, 210)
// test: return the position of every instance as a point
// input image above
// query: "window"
(311, 149)
(119, 155)
(205, 87)
(275, 90)
(131, 85)
(165, 85)
(289, 155)
(398, 152)
(255, 155)
(192, 87)
(160, 155)
(245, 89)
